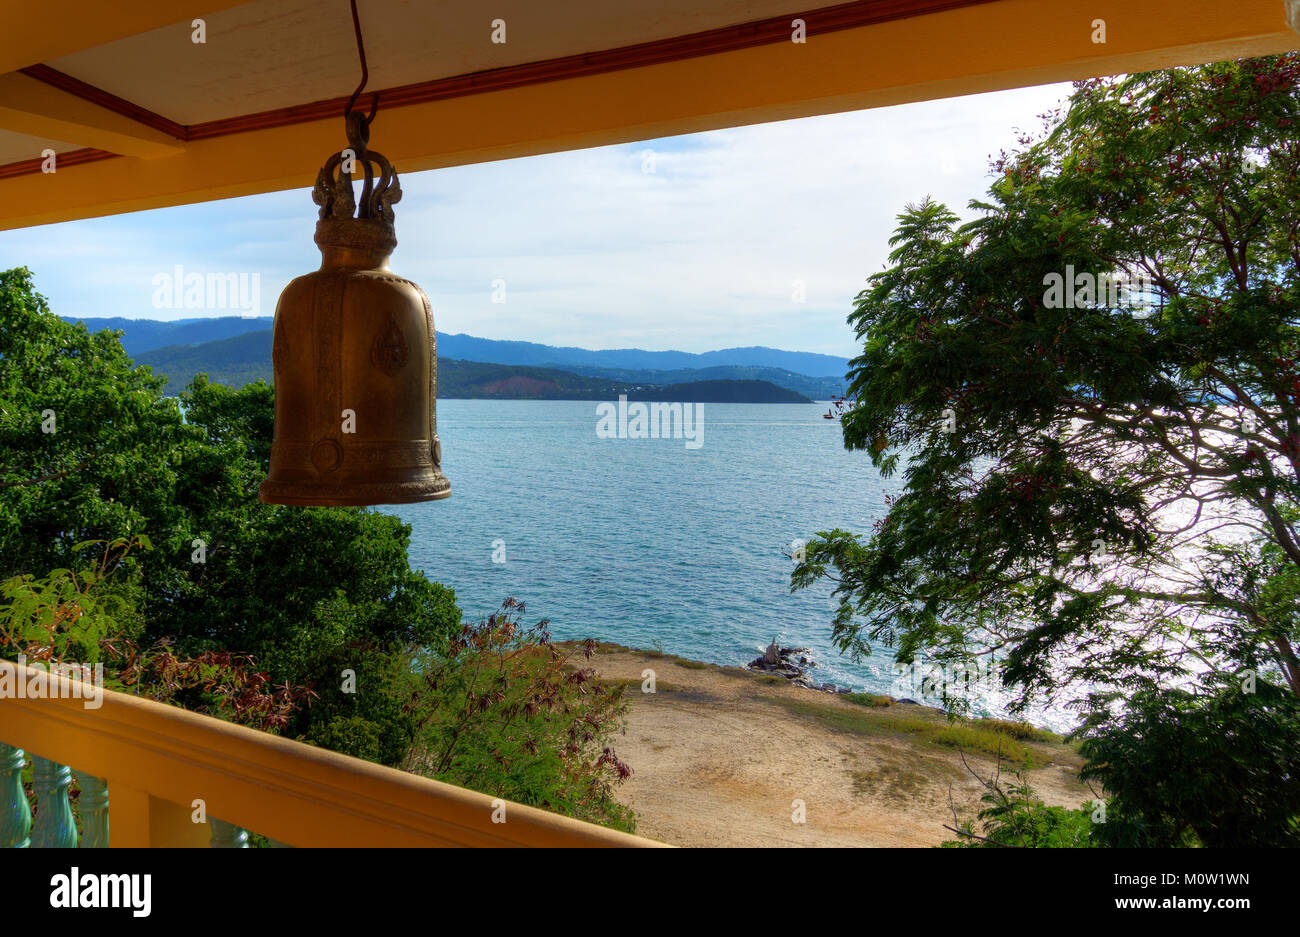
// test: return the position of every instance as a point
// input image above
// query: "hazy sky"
(703, 252)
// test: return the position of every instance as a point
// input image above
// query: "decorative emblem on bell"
(355, 356)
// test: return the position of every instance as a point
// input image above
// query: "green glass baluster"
(227, 835)
(94, 810)
(15, 812)
(54, 827)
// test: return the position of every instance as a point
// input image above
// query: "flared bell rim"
(300, 494)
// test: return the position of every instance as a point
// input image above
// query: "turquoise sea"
(647, 542)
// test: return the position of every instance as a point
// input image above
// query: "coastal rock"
(792, 663)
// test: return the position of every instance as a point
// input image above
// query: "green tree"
(1083, 485)
(85, 438)
(1102, 485)
(91, 449)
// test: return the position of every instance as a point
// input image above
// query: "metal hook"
(365, 72)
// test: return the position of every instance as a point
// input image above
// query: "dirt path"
(720, 755)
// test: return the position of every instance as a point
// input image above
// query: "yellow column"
(140, 820)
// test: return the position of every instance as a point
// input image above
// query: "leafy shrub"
(1212, 766)
(349, 735)
(1013, 816)
(502, 710)
(1024, 821)
(70, 618)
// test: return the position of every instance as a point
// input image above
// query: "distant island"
(236, 351)
(245, 358)
(720, 392)
(141, 335)
(476, 380)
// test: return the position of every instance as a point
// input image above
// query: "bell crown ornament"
(355, 355)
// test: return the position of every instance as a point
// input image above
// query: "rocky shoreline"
(792, 663)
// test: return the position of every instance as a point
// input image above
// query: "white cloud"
(700, 254)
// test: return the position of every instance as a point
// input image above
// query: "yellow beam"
(1005, 44)
(33, 107)
(36, 32)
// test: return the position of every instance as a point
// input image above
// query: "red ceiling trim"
(62, 161)
(105, 99)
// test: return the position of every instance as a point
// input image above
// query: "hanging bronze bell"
(355, 356)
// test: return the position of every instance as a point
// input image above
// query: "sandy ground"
(719, 759)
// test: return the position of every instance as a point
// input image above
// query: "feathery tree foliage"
(1102, 485)
(1110, 490)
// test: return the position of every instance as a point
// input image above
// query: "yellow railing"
(168, 771)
